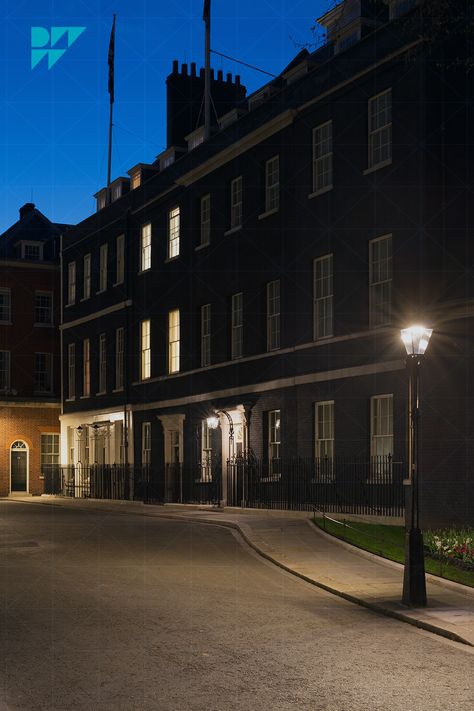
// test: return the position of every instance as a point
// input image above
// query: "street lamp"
(213, 424)
(416, 340)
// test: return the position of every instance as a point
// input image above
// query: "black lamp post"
(416, 340)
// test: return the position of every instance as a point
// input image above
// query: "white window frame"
(120, 259)
(103, 259)
(205, 335)
(136, 180)
(272, 184)
(324, 412)
(323, 297)
(36, 245)
(273, 315)
(379, 130)
(71, 374)
(207, 473)
(52, 453)
(274, 443)
(7, 294)
(205, 220)
(236, 203)
(146, 444)
(381, 437)
(145, 247)
(237, 308)
(322, 158)
(47, 309)
(87, 277)
(102, 364)
(6, 371)
(173, 341)
(119, 358)
(380, 284)
(71, 283)
(86, 367)
(174, 228)
(145, 349)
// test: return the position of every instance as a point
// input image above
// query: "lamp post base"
(414, 584)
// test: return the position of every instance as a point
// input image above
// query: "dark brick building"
(29, 351)
(267, 271)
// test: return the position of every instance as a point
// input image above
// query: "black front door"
(19, 465)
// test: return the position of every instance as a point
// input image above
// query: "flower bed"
(451, 545)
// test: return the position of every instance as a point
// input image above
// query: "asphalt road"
(123, 612)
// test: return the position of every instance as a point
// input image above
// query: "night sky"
(53, 123)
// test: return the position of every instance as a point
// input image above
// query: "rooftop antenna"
(206, 16)
(111, 62)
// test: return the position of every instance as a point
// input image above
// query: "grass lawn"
(389, 542)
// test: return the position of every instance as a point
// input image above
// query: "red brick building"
(29, 351)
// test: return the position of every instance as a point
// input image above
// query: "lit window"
(173, 233)
(322, 157)
(236, 203)
(5, 305)
(146, 444)
(237, 325)
(324, 439)
(71, 283)
(274, 443)
(103, 267)
(102, 364)
(173, 341)
(273, 315)
(71, 367)
(323, 296)
(145, 248)
(381, 437)
(43, 307)
(120, 259)
(87, 276)
(206, 452)
(205, 335)
(145, 350)
(86, 368)
(272, 184)
(205, 232)
(4, 371)
(136, 180)
(119, 358)
(380, 281)
(380, 129)
(49, 450)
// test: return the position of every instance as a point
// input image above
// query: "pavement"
(294, 543)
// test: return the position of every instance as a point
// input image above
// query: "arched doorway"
(19, 466)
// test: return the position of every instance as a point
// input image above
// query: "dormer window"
(195, 138)
(293, 74)
(347, 41)
(31, 251)
(116, 192)
(101, 199)
(136, 179)
(400, 7)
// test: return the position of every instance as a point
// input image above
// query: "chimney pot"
(27, 207)
(184, 70)
(175, 66)
(237, 79)
(193, 69)
(220, 75)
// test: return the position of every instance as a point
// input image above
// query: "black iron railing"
(347, 485)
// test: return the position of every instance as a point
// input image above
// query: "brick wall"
(26, 424)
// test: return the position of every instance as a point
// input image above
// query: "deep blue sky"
(53, 124)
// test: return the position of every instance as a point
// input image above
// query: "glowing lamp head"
(416, 339)
(213, 422)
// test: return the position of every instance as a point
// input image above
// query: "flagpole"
(207, 70)
(111, 62)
